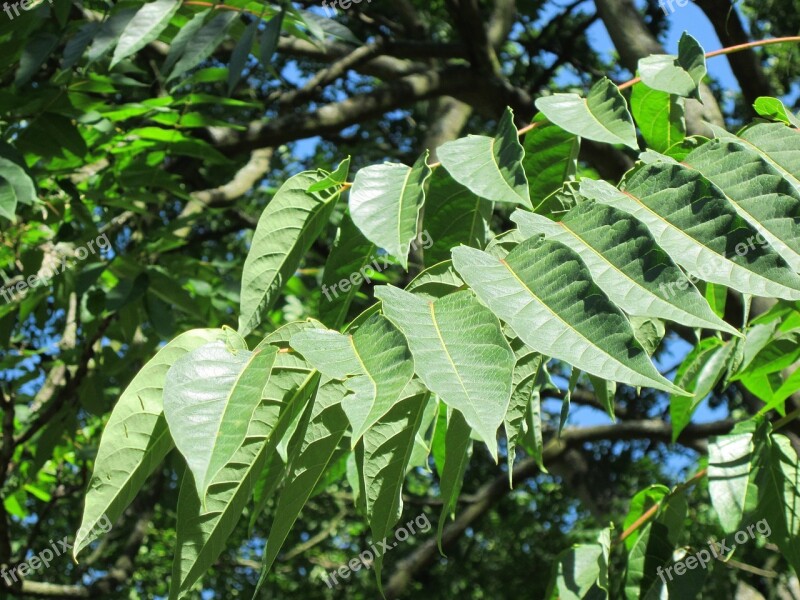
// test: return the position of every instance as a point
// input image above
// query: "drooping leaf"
(382, 461)
(240, 53)
(148, 23)
(210, 395)
(288, 226)
(729, 466)
(326, 428)
(459, 352)
(203, 43)
(385, 202)
(268, 41)
(626, 263)
(452, 465)
(374, 363)
(203, 531)
(700, 372)
(136, 438)
(695, 224)
(602, 116)
(525, 384)
(436, 281)
(182, 39)
(546, 294)
(490, 167)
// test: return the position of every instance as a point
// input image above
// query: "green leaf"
(729, 465)
(577, 573)
(203, 43)
(699, 373)
(696, 225)
(551, 158)
(8, 200)
(109, 34)
(136, 438)
(351, 261)
(186, 34)
(374, 362)
(436, 281)
(546, 294)
(605, 391)
(325, 430)
(626, 263)
(525, 384)
(774, 109)
(293, 219)
(759, 193)
(35, 53)
(776, 476)
(240, 54)
(150, 20)
(203, 531)
(268, 41)
(680, 75)
(660, 117)
(18, 179)
(382, 460)
(210, 395)
(459, 352)
(775, 143)
(602, 116)
(490, 167)
(454, 216)
(385, 202)
(452, 466)
(334, 179)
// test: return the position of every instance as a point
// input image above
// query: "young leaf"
(660, 117)
(334, 179)
(602, 116)
(459, 352)
(150, 20)
(490, 167)
(136, 438)
(774, 109)
(546, 294)
(374, 363)
(695, 224)
(385, 202)
(210, 395)
(626, 263)
(288, 226)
